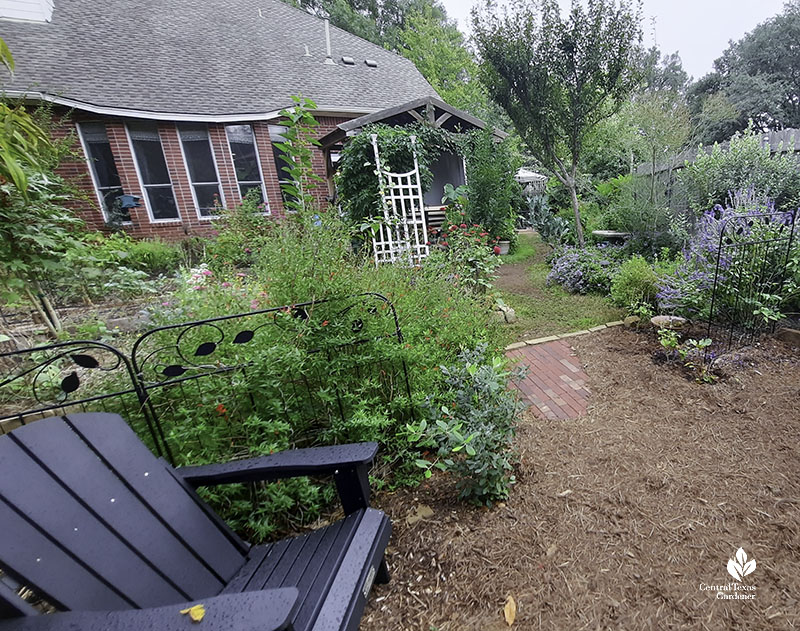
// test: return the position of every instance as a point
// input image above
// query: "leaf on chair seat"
(196, 613)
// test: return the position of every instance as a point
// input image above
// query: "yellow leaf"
(510, 610)
(196, 613)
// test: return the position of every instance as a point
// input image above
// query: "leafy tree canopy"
(756, 79)
(558, 77)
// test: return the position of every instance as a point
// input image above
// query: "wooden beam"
(442, 119)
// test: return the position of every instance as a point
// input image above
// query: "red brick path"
(556, 382)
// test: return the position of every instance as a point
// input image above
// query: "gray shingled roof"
(203, 58)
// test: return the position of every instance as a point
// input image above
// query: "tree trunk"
(573, 194)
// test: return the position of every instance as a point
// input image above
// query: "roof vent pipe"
(328, 58)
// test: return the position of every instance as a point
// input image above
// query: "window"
(202, 168)
(245, 160)
(102, 165)
(153, 172)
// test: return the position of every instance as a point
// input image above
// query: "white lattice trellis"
(403, 235)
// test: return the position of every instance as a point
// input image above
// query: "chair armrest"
(284, 464)
(267, 610)
(349, 464)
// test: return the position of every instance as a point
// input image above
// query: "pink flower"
(463, 225)
(207, 272)
(198, 287)
(496, 249)
(254, 304)
(226, 284)
(241, 274)
(165, 304)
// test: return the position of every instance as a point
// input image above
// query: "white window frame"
(268, 211)
(144, 186)
(90, 164)
(200, 216)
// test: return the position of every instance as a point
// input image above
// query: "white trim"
(181, 117)
(200, 216)
(268, 211)
(143, 187)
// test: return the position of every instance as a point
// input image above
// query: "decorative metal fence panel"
(751, 267)
(403, 234)
(312, 366)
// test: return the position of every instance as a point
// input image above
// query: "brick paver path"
(556, 382)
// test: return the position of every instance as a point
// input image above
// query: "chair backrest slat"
(122, 510)
(176, 505)
(94, 512)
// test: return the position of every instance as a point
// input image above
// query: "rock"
(668, 322)
(497, 317)
(631, 320)
(510, 315)
(790, 336)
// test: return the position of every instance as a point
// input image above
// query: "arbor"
(558, 77)
(756, 79)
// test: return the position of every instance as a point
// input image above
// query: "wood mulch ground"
(620, 515)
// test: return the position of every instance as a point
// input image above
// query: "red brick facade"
(86, 205)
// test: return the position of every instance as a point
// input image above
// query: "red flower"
(325, 323)
(221, 410)
(463, 225)
(484, 234)
(497, 249)
(445, 243)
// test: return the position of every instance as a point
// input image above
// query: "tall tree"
(557, 78)
(757, 78)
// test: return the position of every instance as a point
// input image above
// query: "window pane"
(197, 149)
(207, 198)
(243, 148)
(149, 155)
(162, 202)
(244, 189)
(100, 156)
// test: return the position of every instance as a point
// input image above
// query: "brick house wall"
(86, 206)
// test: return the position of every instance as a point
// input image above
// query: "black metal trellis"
(246, 361)
(752, 255)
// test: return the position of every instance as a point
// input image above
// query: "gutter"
(322, 110)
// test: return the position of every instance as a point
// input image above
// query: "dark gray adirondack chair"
(96, 524)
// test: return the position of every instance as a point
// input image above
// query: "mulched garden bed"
(619, 516)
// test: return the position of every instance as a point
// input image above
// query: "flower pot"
(503, 245)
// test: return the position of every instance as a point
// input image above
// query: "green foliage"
(553, 229)
(472, 435)
(744, 165)
(356, 175)
(693, 354)
(634, 283)
(439, 52)
(557, 78)
(300, 180)
(491, 185)
(754, 79)
(465, 253)
(240, 233)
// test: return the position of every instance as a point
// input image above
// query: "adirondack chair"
(96, 524)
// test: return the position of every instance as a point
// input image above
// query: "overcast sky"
(697, 29)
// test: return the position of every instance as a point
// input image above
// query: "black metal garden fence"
(310, 366)
(749, 277)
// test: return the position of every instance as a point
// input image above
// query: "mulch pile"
(619, 516)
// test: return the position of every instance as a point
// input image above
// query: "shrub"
(492, 188)
(472, 434)
(154, 256)
(749, 279)
(584, 270)
(240, 233)
(744, 165)
(553, 229)
(635, 283)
